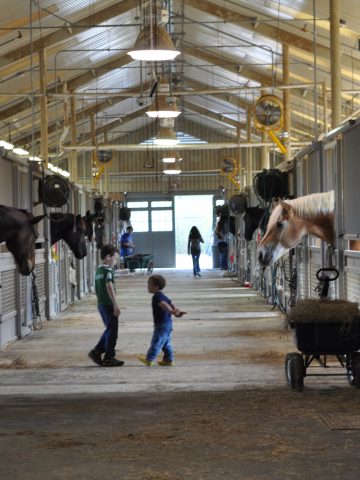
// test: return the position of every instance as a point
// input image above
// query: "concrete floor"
(223, 411)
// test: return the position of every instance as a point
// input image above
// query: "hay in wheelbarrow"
(325, 326)
(323, 310)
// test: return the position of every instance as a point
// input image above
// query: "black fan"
(238, 203)
(268, 111)
(104, 156)
(124, 214)
(55, 191)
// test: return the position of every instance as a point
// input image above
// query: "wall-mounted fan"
(104, 156)
(228, 165)
(230, 169)
(268, 112)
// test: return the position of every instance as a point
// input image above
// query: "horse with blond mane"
(292, 219)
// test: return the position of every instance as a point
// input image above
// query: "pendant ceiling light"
(171, 157)
(166, 136)
(172, 169)
(161, 108)
(154, 44)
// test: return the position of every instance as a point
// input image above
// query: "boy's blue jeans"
(108, 339)
(161, 340)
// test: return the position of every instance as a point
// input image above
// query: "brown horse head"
(19, 231)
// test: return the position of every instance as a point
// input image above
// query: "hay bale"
(323, 311)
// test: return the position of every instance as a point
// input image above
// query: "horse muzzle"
(265, 257)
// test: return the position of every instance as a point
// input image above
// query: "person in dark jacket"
(194, 249)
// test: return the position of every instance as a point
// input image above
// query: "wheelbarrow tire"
(150, 267)
(295, 371)
(353, 370)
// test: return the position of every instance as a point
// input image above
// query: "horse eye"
(279, 225)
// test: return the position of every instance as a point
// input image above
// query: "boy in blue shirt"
(162, 308)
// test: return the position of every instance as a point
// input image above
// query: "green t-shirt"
(103, 275)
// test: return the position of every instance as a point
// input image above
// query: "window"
(161, 220)
(140, 220)
(161, 203)
(137, 204)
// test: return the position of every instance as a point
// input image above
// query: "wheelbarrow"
(142, 261)
(324, 328)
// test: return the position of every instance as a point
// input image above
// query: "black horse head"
(89, 224)
(252, 219)
(99, 231)
(18, 229)
(71, 229)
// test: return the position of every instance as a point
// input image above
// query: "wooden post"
(335, 63)
(44, 146)
(286, 100)
(93, 152)
(74, 175)
(249, 157)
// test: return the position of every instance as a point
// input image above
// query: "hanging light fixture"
(154, 44)
(172, 169)
(163, 108)
(171, 157)
(166, 136)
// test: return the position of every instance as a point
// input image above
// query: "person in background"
(126, 243)
(223, 252)
(109, 311)
(127, 246)
(161, 340)
(194, 248)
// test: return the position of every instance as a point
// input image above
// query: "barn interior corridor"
(223, 411)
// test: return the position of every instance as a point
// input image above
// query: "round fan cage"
(104, 156)
(268, 112)
(238, 203)
(228, 165)
(55, 191)
(124, 214)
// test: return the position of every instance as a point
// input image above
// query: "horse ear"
(37, 219)
(286, 210)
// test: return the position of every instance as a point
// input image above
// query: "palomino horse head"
(19, 231)
(252, 218)
(292, 219)
(71, 229)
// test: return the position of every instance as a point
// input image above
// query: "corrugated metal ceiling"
(217, 53)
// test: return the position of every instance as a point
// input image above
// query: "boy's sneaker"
(165, 363)
(112, 362)
(144, 360)
(95, 356)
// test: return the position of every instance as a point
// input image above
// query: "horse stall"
(344, 149)
(15, 310)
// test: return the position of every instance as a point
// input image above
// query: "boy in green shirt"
(109, 310)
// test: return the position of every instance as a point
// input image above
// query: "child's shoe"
(144, 360)
(165, 363)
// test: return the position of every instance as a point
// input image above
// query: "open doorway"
(193, 210)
